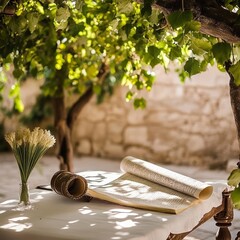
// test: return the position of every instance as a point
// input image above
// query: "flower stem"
(24, 193)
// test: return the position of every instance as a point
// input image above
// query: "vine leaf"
(200, 46)
(192, 66)
(179, 18)
(234, 70)
(234, 178)
(175, 52)
(33, 21)
(125, 7)
(62, 16)
(222, 52)
(192, 26)
(139, 103)
(235, 197)
(147, 8)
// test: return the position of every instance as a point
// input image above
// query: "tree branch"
(10, 11)
(85, 98)
(235, 102)
(215, 19)
(78, 106)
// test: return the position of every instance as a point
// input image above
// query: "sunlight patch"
(66, 227)
(125, 224)
(85, 210)
(73, 221)
(18, 227)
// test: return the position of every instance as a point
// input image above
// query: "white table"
(55, 217)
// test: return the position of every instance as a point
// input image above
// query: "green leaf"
(147, 8)
(149, 78)
(179, 18)
(234, 178)
(139, 103)
(125, 6)
(17, 73)
(235, 196)
(18, 104)
(129, 96)
(183, 75)
(53, 8)
(33, 21)
(192, 26)
(14, 25)
(200, 46)
(234, 70)
(154, 62)
(192, 66)
(154, 18)
(15, 90)
(222, 52)
(62, 15)
(139, 84)
(39, 7)
(92, 70)
(152, 56)
(114, 24)
(175, 52)
(97, 89)
(79, 4)
(204, 65)
(154, 51)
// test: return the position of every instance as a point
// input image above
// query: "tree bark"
(64, 124)
(77, 107)
(235, 103)
(64, 146)
(215, 20)
(64, 121)
(10, 11)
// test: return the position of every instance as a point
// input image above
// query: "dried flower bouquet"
(28, 147)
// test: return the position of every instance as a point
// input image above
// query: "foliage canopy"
(43, 37)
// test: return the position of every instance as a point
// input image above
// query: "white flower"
(25, 136)
(28, 147)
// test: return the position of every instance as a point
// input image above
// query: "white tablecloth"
(54, 217)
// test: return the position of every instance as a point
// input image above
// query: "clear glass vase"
(24, 197)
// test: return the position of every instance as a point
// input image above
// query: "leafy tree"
(76, 48)
(193, 33)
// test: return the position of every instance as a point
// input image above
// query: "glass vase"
(24, 197)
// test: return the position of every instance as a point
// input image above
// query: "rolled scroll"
(69, 184)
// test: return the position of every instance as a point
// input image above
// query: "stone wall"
(189, 123)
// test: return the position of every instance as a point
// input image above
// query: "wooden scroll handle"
(224, 218)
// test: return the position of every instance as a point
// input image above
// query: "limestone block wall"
(189, 123)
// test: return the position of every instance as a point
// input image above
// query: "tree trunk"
(235, 103)
(65, 149)
(64, 122)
